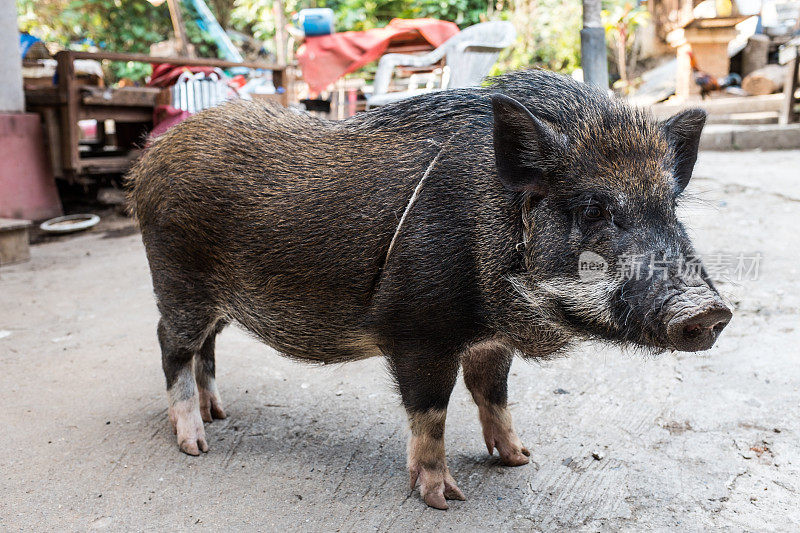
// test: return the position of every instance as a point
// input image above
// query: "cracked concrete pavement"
(694, 442)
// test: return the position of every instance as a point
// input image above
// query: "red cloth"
(164, 117)
(326, 58)
(165, 75)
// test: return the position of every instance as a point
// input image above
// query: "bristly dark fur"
(281, 222)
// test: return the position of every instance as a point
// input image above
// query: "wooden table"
(68, 101)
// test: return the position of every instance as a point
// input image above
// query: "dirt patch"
(677, 428)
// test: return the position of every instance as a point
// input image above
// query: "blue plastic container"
(26, 40)
(316, 21)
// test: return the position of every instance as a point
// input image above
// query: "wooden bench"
(68, 101)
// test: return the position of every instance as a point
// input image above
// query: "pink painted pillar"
(27, 187)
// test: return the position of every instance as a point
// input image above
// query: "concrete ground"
(690, 442)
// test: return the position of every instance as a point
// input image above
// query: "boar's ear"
(683, 136)
(526, 150)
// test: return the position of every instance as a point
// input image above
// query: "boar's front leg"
(486, 367)
(425, 385)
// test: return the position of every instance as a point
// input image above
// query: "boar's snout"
(696, 327)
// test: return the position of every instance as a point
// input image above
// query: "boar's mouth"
(687, 320)
(644, 315)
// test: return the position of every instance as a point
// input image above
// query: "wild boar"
(445, 230)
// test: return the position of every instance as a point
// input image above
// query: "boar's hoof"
(510, 448)
(515, 457)
(210, 405)
(436, 486)
(188, 426)
(498, 432)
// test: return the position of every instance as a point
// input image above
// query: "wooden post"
(788, 114)
(279, 13)
(70, 132)
(179, 27)
(52, 136)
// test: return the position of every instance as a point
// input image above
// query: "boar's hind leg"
(204, 373)
(486, 369)
(177, 352)
(425, 386)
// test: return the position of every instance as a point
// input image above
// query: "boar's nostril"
(719, 326)
(700, 330)
(692, 329)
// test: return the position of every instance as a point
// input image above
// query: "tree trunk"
(280, 31)
(179, 28)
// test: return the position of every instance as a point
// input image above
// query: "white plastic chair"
(469, 56)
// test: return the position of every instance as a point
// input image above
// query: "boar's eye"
(594, 213)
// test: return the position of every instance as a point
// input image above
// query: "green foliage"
(112, 25)
(462, 12)
(256, 16)
(549, 30)
(116, 25)
(132, 70)
(621, 19)
(204, 45)
(367, 14)
(548, 35)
